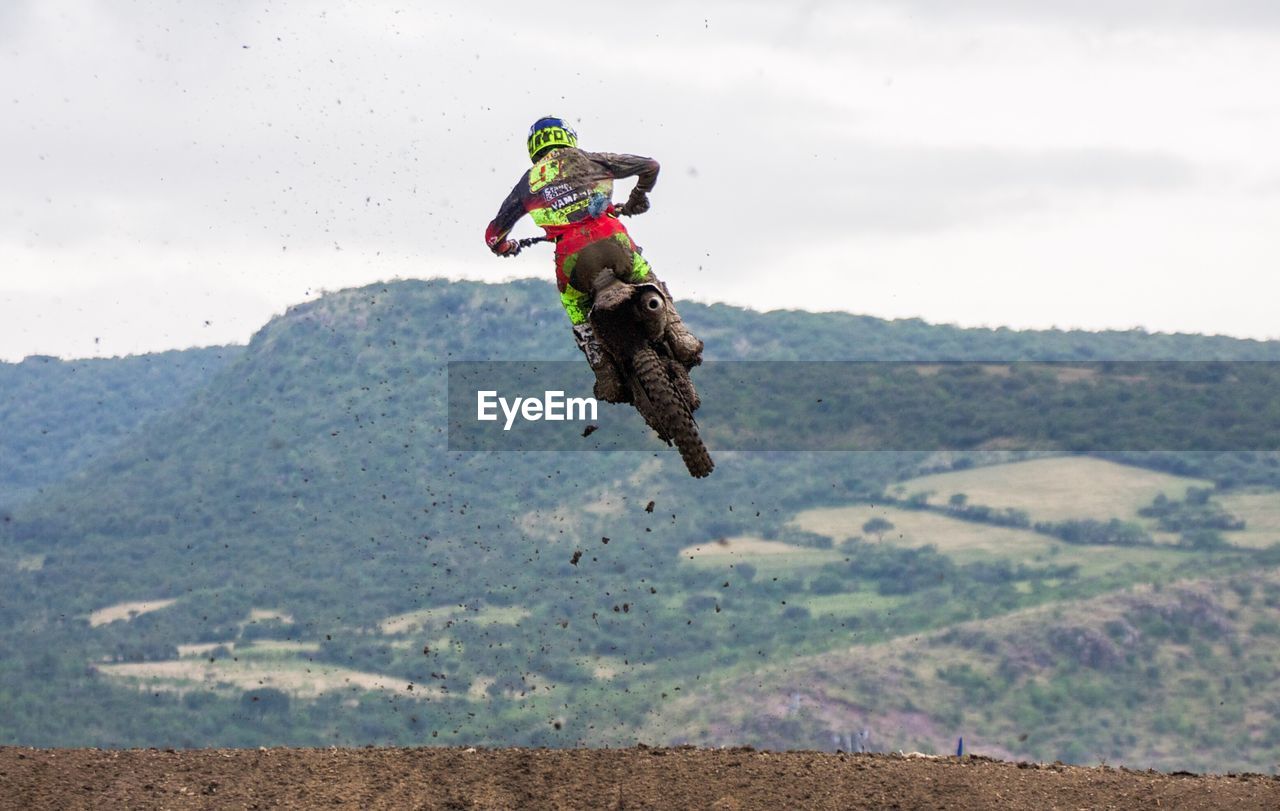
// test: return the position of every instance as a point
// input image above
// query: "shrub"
(826, 584)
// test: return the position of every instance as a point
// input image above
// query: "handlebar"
(521, 244)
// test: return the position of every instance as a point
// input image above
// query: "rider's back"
(557, 190)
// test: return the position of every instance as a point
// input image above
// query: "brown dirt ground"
(724, 779)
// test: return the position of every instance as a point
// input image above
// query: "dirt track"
(609, 779)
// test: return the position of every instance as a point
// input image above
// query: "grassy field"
(1261, 514)
(126, 611)
(437, 618)
(964, 540)
(1070, 487)
(298, 677)
(275, 649)
(848, 604)
(203, 649)
(968, 542)
(770, 557)
(267, 615)
(1055, 489)
(257, 650)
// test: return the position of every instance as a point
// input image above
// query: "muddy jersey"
(566, 193)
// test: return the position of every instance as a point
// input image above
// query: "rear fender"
(611, 295)
(624, 313)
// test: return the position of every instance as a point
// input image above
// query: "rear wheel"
(671, 415)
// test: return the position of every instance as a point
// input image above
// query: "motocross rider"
(568, 193)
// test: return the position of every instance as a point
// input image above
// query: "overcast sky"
(175, 173)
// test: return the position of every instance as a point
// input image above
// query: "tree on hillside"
(264, 701)
(878, 527)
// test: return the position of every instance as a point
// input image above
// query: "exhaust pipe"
(651, 308)
(652, 304)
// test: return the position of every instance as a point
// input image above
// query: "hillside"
(294, 556)
(57, 417)
(1168, 677)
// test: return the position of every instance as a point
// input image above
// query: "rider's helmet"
(549, 133)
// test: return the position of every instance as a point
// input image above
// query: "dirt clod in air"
(649, 507)
(589, 430)
(577, 556)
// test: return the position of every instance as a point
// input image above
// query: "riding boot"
(609, 386)
(684, 344)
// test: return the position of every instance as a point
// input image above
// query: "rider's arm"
(510, 212)
(628, 165)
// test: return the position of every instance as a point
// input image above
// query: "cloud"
(231, 140)
(878, 186)
(121, 319)
(1103, 13)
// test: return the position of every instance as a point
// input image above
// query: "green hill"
(57, 417)
(296, 557)
(1180, 677)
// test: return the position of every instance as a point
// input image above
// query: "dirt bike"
(630, 322)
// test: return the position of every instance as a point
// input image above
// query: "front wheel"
(670, 414)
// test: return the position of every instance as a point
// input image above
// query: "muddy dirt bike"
(630, 322)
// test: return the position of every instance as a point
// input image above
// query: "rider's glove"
(507, 247)
(637, 203)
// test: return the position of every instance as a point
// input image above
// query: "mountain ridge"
(306, 496)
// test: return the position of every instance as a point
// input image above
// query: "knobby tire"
(671, 412)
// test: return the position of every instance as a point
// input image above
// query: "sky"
(173, 174)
